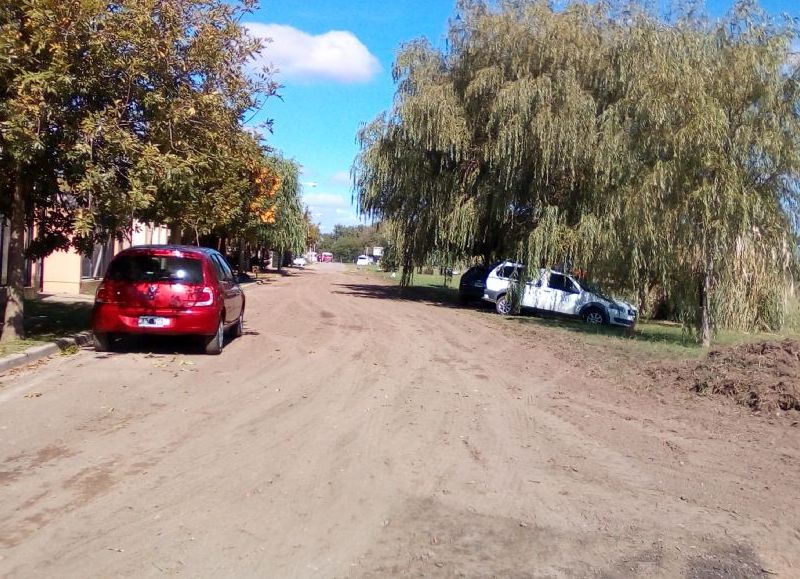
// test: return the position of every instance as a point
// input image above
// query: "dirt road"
(353, 433)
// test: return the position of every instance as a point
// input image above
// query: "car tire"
(214, 343)
(594, 317)
(102, 341)
(503, 305)
(238, 328)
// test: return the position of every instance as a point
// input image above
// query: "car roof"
(170, 247)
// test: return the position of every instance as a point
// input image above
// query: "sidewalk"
(66, 298)
(51, 345)
(36, 353)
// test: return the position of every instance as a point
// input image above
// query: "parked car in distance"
(473, 282)
(362, 260)
(299, 261)
(557, 293)
(168, 290)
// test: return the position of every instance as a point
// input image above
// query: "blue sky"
(335, 61)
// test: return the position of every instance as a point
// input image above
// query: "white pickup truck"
(556, 293)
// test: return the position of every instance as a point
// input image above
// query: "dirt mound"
(764, 376)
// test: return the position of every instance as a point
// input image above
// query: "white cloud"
(328, 209)
(337, 55)
(327, 217)
(315, 200)
(340, 178)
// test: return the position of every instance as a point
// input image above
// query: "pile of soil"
(764, 376)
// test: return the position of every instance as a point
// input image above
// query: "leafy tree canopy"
(651, 151)
(123, 111)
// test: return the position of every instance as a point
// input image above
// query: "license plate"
(153, 322)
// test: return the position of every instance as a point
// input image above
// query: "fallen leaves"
(170, 363)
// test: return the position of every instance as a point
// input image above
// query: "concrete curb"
(37, 353)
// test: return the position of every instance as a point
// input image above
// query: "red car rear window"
(154, 268)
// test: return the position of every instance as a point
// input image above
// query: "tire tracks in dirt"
(356, 432)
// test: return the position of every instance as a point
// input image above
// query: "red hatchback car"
(168, 290)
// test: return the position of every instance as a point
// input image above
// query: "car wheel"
(214, 343)
(102, 341)
(238, 329)
(594, 317)
(503, 305)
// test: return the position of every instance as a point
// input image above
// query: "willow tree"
(695, 186)
(646, 151)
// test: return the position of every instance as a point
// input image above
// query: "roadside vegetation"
(124, 112)
(656, 154)
(347, 242)
(49, 321)
(651, 339)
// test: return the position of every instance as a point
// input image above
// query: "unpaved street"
(352, 433)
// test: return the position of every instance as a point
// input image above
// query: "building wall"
(146, 234)
(61, 273)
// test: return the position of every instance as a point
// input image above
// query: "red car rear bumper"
(113, 319)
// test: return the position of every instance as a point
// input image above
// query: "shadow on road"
(264, 276)
(448, 297)
(439, 296)
(166, 345)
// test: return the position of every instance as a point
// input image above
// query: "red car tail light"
(204, 296)
(105, 295)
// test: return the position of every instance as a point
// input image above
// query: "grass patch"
(424, 287)
(48, 321)
(17, 346)
(419, 280)
(89, 286)
(651, 339)
(793, 317)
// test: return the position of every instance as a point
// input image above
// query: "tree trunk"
(706, 327)
(175, 235)
(13, 328)
(242, 258)
(642, 295)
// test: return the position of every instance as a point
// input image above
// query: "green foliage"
(125, 110)
(129, 110)
(289, 230)
(651, 152)
(348, 242)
